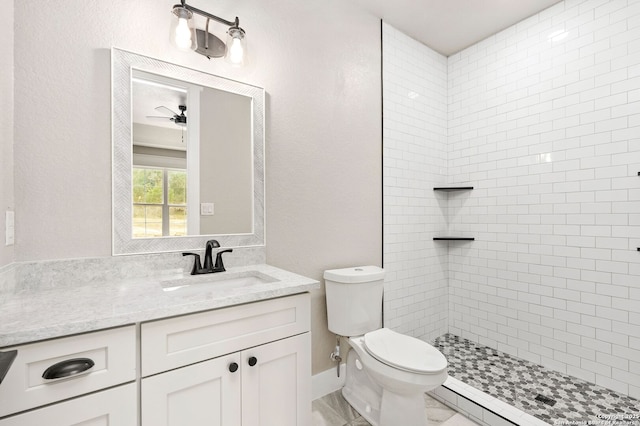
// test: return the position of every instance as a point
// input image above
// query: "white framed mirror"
(188, 158)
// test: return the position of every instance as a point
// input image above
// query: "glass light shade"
(236, 53)
(183, 32)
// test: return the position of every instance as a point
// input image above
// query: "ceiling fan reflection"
(178, 119)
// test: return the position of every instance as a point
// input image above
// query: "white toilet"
(387, 372)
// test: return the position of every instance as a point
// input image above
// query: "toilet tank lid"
(357, 274)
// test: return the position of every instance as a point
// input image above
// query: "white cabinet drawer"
(112, 407)
(184, 340)
(113, 353)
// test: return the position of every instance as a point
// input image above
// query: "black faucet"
(219, 266)
(197, 266)
(211, 244)
(209, 267)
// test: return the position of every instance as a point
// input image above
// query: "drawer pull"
(233, 367)
(67, 368)
(253, 361)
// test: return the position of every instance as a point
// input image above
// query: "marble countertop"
(38, 313)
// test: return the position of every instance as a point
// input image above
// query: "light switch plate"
(206, 209)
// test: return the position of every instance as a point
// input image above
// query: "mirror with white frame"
(188, 158)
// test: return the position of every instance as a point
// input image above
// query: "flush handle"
(68, 368)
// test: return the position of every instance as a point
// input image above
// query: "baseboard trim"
(327, 382)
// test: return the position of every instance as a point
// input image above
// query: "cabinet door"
(112, 407)
(203, 394)
(276, 390)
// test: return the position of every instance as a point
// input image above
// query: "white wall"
(320, 66)
(548, 131)
(415, 160)
(6, 127)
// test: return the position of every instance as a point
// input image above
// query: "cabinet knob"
(233, 367)
(253, 361)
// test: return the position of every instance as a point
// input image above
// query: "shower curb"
(480, 407)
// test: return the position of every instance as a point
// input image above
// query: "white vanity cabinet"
(79, 365)
(244, 365)
(111, 407)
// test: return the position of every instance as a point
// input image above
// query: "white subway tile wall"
(543, 119)
(415, 160)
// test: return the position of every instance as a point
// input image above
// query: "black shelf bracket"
(453, 188)
(453, 238)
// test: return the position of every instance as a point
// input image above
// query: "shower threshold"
(496, 389)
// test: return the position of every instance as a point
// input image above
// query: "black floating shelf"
(453, 188)
(453, 238)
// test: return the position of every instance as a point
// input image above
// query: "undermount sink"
(220, 281)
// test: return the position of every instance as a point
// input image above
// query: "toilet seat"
(404, 352)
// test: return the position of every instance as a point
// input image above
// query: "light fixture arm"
(206, 36)
(234, 24)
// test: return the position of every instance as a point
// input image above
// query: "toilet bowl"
(399, 375)
(387, 372)
(400, 363)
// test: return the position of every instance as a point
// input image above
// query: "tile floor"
(333, 410)
(550, 397)
(527, 386)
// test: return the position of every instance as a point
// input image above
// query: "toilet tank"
(354, 299)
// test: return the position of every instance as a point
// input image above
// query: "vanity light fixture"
(185, 36)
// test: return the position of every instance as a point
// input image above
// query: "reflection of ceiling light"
(185, 36)
(174, 288)
(413, 95)
(544, 157)
(156, 84)
(557, 36)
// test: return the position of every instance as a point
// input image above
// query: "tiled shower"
(543, 120)
(414, 90)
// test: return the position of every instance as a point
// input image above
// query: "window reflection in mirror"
(159, 202)
(192, 159)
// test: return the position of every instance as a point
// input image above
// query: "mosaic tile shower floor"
(518, 383)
